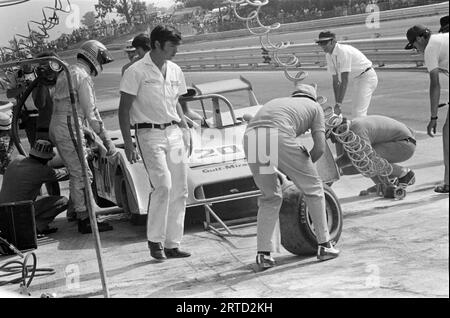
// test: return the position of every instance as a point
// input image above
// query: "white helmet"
(96, 54)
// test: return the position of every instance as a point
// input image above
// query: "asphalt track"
(400, 95)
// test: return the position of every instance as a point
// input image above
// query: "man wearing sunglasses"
(345, 62)
(435, 50)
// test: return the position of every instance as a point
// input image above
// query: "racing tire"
(297, 231)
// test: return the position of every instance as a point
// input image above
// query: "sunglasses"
(323, 43)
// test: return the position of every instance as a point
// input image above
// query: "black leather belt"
(159, 126)
(366, 70)
(411, 140)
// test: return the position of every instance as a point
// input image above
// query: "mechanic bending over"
(90, 58)
(391, 140)
(282, 120)
(23, 181)
(343, 61)
(435, 50)
(150, 89)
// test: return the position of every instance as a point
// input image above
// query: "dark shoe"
(46, 231)
(156, 250)
(84, 226)
(408, 179)
(71, 217)
(372, 189)
(175, 253)
(444, 188)
(264, 261)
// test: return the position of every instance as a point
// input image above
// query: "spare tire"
(297, 230)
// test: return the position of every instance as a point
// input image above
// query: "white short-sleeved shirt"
(436, 53)
(346, 58)
(156, 97)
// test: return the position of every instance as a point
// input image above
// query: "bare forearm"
(183, 123)
(336, 88)
(124, 122)
(341, 90)
(435, 92)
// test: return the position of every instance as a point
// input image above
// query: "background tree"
(121, 7)
(89, 19)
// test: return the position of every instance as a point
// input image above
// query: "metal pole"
(84, 166)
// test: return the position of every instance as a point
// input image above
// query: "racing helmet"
(96, 54)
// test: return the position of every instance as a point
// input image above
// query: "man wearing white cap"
(23, 181)
(140, 46)
(6, 142)
(435, 50)
(345, 62)
(273, 131)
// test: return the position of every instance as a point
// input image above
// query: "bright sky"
(14, 19)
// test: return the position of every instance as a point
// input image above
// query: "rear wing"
(227, 86)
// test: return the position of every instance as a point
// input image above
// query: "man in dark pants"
(24, 178)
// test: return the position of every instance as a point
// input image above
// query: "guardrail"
(382, 52)
(396, 14)
(388, 15)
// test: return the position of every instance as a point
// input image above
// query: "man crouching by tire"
(269, 144)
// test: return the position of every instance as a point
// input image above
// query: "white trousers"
(294, 161)
(164, 155)
(363, 88)
(59, 134)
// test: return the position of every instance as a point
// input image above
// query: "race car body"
(217, 171)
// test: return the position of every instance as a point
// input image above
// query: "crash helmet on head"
(96, 54)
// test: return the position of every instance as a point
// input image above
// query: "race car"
(217, 169)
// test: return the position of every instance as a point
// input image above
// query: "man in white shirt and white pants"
(150, 89)
(435, 50)
(345, 62)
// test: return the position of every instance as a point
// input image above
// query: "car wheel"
(124, 197)
(296, 227)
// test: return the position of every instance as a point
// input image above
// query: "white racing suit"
(62, 128)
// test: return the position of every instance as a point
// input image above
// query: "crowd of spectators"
(286, 11)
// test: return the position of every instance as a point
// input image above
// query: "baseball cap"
(141, 40)
(325, 36)
(413, 33)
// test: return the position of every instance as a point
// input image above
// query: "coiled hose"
(363, 157)
(27, 271)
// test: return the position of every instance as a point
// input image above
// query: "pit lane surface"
(389, 248)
